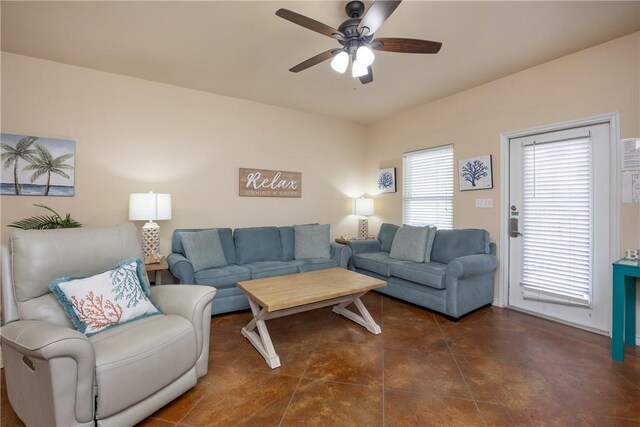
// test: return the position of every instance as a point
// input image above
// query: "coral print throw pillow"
(107, 299)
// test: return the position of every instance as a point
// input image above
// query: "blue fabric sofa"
(251, 253)
(458, 279)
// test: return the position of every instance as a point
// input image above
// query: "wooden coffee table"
(294, 293)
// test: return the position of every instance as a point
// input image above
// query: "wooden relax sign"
(268, 183)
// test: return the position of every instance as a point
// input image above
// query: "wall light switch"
(484, 203)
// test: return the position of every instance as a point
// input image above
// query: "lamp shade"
(340, 62)
(365, 56)
(359, 69)
(363, 207)
(149, 206)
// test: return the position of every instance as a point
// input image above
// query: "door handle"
(513, 228)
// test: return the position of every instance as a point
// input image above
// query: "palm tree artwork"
(45, 163)
(11, 156)
(36, 166)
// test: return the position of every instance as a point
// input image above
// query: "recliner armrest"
(364, 246)
(194, 303)
(341, 253)
(472, 265)
(44, 343)
(181, 268)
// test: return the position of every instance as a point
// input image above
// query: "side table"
(158, 268)
(623, 328)
(342, 241)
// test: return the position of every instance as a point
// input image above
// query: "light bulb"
(359, 69)
(340, 62)
(365, 55)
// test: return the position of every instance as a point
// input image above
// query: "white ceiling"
(241, 49)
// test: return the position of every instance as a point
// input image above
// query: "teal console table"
(623, 328)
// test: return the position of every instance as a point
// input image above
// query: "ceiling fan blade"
(367, 78)
(309, 23)
(379, 11)
(406, 45)
(315, 60)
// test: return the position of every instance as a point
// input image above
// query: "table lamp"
(150, 207)
(364, 208)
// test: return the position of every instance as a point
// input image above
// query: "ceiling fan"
(356, 37)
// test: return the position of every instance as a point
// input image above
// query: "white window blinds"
(557, 222)
(428, 187)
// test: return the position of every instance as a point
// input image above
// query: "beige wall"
(599, 80)
(602, 79)
(134, 135)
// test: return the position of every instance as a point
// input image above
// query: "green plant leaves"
(46, 222)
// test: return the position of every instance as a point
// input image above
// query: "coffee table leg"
(364, 318)
(261, 340)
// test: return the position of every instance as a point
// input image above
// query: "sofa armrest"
(181, 268)
(194, 303)
(341, 253)
(38, 355)
(364, 246)
(472, 265)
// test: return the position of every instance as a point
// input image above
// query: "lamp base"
(363, 228)
(151, 243)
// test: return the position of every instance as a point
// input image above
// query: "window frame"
(439, 194)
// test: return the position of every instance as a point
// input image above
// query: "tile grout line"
(455, 360)
(384, 422)
(293, 395)
(204, 394)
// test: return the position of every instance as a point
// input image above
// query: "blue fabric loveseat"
(249, 253)
(458, 278)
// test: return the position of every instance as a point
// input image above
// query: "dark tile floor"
(495, 367)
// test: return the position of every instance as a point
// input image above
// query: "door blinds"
(428, 187)
(557, 222)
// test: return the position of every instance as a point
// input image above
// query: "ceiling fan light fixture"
(340, 62)
(365, 55)
(359, 69)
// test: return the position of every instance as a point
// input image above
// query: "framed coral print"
(387, 180)
(475, 173)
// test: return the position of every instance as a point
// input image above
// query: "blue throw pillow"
(203, 249)
(409, 244)
(312, 241)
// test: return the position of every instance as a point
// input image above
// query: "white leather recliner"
(58, 376)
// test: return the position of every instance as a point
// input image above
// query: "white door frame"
(614, 233)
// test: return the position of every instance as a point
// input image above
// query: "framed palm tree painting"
(36, 166)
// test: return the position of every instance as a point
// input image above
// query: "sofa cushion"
(312, 241)
(226, 239)
(287, 242)
(262, 269)
(409, 244)
(105, 300)
(222, 276)
(203, 249)
(385, 235)
(378, 262)
(305, 265)
(451, 244)
(257, 244)
(431, 274)
(429, 248)
(150, 353)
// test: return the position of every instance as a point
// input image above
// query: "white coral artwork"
(475, 173)
(387, 180)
